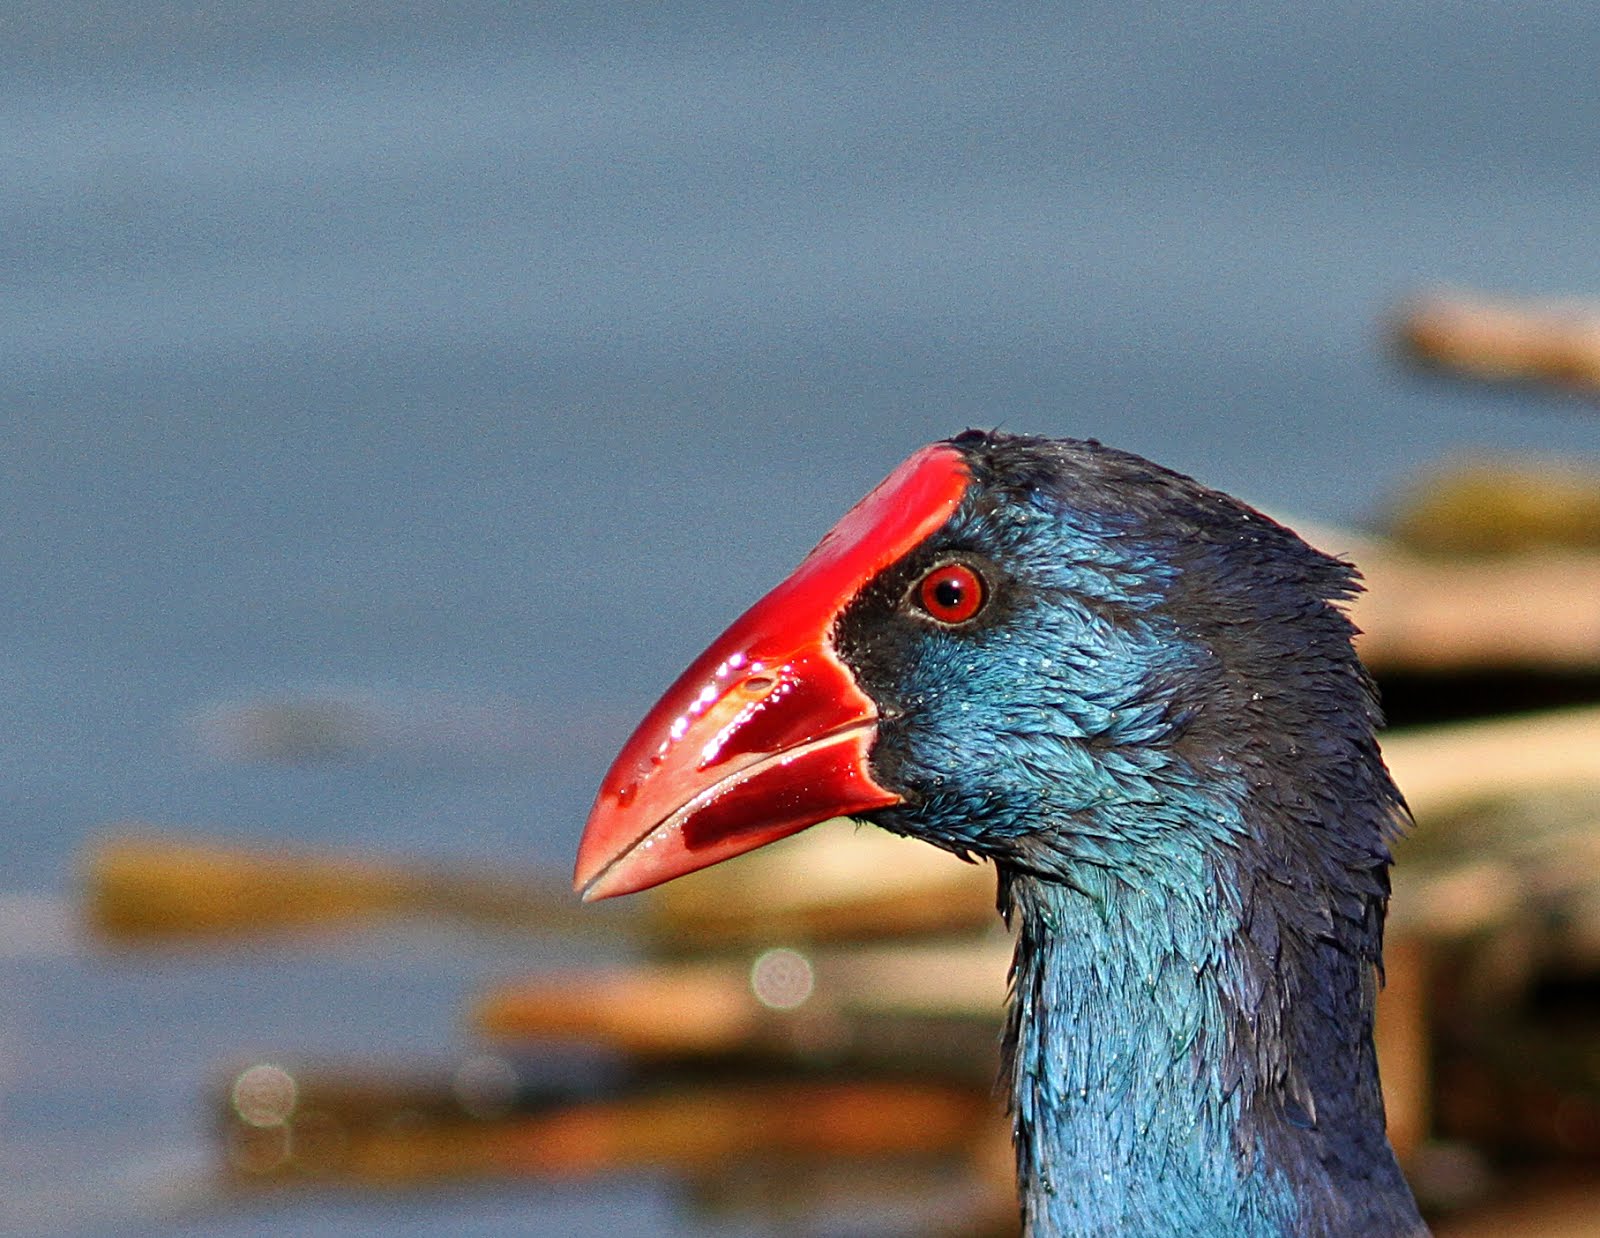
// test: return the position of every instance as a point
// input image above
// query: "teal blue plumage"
(1158, 731)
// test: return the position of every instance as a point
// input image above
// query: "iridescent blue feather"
(1162, 737)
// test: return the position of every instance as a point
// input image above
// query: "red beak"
(767, 732)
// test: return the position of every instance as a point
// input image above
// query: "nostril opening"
(757, 684)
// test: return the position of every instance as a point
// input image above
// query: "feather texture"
(1159, 732)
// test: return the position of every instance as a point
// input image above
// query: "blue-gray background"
(480, 363)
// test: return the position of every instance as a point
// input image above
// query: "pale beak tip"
(593, 886)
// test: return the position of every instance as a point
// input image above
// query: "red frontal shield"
(767, 732)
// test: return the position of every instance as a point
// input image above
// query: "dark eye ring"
(952, 593)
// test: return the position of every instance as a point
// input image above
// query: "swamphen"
(1138, 697)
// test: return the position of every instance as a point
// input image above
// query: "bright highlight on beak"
(767, 732)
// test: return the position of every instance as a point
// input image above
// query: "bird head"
(1045, 652)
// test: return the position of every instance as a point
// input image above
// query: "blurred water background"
(476, 363)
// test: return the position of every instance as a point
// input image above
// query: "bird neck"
(1162, 1082)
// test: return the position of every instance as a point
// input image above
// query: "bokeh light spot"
(264, 1095)
(782, 979)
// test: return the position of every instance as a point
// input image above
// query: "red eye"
(953, 593)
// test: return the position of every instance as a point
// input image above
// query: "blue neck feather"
(1124, 1125)
(1160, 1085)
(1189, 1043)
